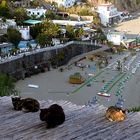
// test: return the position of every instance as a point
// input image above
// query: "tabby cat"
(114, 113)
(26, 105)
(54, 115)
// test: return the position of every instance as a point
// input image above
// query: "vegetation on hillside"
(14, 36)
(134, 109)
(7, 86)
(4, 9)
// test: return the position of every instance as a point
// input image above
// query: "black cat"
(54, 115)
(27, 104)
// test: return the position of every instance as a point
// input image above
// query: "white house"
(116, 37)
(38, 12)
(25, 32)
(109, 14)
(72, 23)
(65, 3)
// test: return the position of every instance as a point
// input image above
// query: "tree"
(70, 31)
(36, 30)
(3, 38)
(49, 30)
(7, 86)
(79, 32)
(20, 15)
(43, 40)
(34, 3)
(49, 14)
(96, 20)
(4, 10)
(110, 44)
(14, 36)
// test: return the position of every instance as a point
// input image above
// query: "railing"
(11, 58)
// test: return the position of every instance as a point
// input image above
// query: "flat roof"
(31, 21)
(106, 4)
(129, 40)
(5, 44)
(69, 22)
(36, 9)
(88, 29)
(115, 33)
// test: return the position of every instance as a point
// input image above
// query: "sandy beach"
(130, 27)
(54, 84)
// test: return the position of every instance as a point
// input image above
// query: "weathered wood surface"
(82, 123)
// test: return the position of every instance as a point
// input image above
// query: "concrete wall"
(53, 58)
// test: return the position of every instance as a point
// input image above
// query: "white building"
(65, 3)
(72, 23)
(38, 12)
(108, 14)
(116, 37)
(25, 32)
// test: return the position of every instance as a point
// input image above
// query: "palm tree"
(49, 30)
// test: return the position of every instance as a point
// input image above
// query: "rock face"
(130, 5)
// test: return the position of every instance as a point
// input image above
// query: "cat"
(114, 113)
(17, 102)
(26, 105)
(54, 115)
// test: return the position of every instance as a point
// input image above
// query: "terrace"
(82, 122)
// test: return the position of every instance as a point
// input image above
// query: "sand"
(54, 84)
(131, 27)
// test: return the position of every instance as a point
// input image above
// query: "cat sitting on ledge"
(54, 115)
(114, 113)
(25, 104)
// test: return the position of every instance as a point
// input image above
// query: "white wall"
(104, 19)
(116, 38)
(38, 12)
(65, 3)
(106, 13)
(25, 32)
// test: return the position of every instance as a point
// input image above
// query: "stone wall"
(42, 61)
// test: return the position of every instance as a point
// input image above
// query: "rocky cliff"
(130, 5)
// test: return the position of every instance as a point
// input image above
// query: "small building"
(8, 23)
(116, 37)
(38, 12)
(5, 48)
(25, 32)
(72, 23)
(109, 14)
(65, 3)
(11, 22)
(26, 45)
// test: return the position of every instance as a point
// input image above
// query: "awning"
(33, 22)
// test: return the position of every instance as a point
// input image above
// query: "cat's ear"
(121, 111)
(125, 111)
